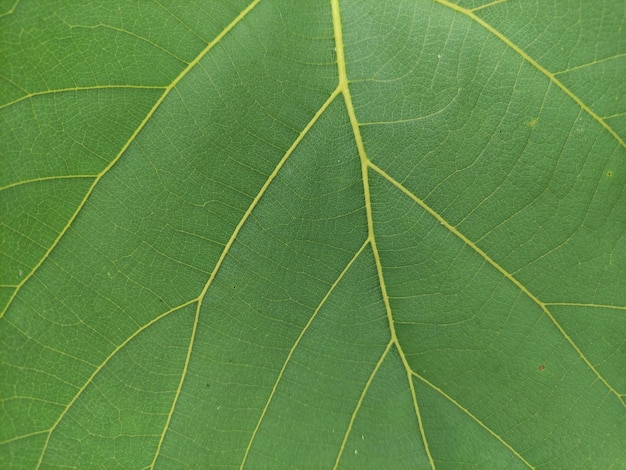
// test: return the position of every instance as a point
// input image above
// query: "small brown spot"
(541, 367)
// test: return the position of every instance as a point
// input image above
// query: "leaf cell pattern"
(319, 234)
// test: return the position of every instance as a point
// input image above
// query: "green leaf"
(316, 234)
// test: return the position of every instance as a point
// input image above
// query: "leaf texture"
(321, 234)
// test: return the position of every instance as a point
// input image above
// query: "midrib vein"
(474, 418)
(551, 76)
(542, 305)
(365, 162)
(131, 139)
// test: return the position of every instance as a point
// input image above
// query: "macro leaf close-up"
(384, 234)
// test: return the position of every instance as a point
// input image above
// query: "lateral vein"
(293, 348)
(542, 305)
(551, 76)
(228, 246)
(474, 418)
(131, 139)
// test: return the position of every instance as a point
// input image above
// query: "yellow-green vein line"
(343, 87)
(293, 348)
(368, 383)
(267, 183)
(418, 414)
(354, 123)
(551, 76)
(11, 10)
(487, 5)
(136, 36)
(23, 436)
(83, 88)
(46, 178)
(179, 387)
(226, 250)
(132, 138)
(575, 304)
(589, 64)
(414, 119)
(502, 271)
(100, 367)
(478, 421)
(613, 116)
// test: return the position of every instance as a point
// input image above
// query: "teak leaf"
(313, 234)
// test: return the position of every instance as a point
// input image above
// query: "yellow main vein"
(99, 368)
(143, 123)
(293, 348)
(225, 252)
(345, 90)
(504, 272)
(534, 63)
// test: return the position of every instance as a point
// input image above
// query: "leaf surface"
(322, 234)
